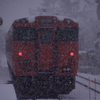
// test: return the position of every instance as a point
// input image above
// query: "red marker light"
(20, 54)
(72, 54)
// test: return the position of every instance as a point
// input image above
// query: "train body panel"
(66, 60)
(24, 58)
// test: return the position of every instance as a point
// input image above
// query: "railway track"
(86, 84)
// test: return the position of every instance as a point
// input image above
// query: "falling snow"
(82, 12)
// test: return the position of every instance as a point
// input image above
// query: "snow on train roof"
(31, 19)
(61, 18)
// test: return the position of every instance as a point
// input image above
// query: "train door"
(45, 55)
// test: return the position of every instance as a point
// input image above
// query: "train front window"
(46, 37)
(67, 34)
(24, 34)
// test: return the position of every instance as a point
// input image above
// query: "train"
(42, 56)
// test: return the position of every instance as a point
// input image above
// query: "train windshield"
(24, 34)
(46, 37)
(67, 34)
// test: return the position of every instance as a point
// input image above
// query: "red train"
(42, 56)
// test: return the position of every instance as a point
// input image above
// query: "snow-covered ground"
(7, 91)
(3, 61)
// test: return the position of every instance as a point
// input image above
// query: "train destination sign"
(46, 21)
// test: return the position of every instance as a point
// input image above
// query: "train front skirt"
(43, 86)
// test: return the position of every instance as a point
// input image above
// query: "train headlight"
(21, 62)
(23, 21)
(68, 21)
(66, 69)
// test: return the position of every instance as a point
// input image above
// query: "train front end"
(43, 60)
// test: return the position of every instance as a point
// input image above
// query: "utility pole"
(98, 8)
(54, 6)
(1, 21)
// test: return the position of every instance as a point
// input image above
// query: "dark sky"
(15, 9)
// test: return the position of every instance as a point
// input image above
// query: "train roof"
(31, 19)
